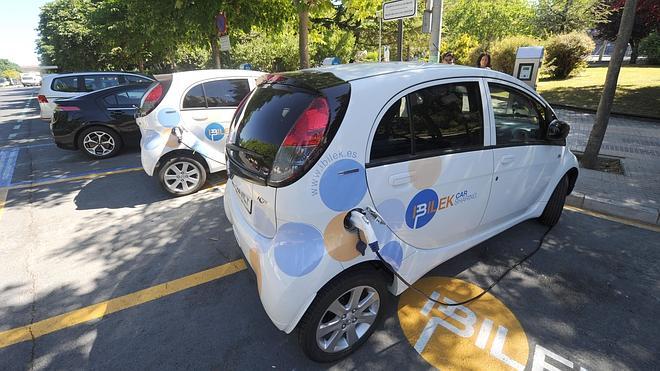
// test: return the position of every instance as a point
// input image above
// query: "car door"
(429, 170)
(207, 110)
(524, 160)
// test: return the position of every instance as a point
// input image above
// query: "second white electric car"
(183, 117)
(448, 156)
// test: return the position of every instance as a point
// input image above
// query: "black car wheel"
(343, 316)
(180, 176)
(99, 142)
(555, 205)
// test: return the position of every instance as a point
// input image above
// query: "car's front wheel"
(555, 205)
(343, 316)
(99, 142)
(180, 176)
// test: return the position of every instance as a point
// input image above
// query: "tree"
(564, 16)
(647, 20)
(590, 158)
(6, 64)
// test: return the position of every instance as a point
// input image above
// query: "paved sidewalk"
(634, 195)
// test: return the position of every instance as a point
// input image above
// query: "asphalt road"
(589, 299)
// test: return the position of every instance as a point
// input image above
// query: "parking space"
(99, 268)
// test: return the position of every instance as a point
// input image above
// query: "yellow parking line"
(81, 177)
(96, 311)
(616, 219)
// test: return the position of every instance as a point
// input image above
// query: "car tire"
(555, 205)
(319, 315)
(182, 175)
(99, 142)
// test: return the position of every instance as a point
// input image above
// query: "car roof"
(203, 74)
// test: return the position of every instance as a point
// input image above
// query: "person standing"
(484, 60)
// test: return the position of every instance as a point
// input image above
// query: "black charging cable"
(374, 247)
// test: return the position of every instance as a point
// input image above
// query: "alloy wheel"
(98, 143)
(181, 176)
(347, 319)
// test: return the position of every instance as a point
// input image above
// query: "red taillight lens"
(68, 108)
(301, 142)
(309, 128)
(42, 98)
(151, 100)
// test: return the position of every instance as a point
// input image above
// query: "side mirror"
(558, 130)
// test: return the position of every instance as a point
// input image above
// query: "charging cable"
(358, 220)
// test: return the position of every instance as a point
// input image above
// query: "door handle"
(399, 179)
(200, 118)
(507, 159)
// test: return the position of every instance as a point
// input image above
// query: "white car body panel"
(287, 287)
(156, 127)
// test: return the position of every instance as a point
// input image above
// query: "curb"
(638, 213)
(655, 120)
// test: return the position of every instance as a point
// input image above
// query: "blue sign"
(421, 208)
(214, 132)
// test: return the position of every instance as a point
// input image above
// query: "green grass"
(638, 90)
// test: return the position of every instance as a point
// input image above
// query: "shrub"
(461, 46)
(566, 54)
(503, 52)
(650, 47)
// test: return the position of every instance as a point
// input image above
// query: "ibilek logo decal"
(424, 205)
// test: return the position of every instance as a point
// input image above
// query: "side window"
(392, 136)
(96, 82)
(195, 98)
(110, 100)
(447, 117)
(67, 84)
(226, 93)
(518, 118)
(136, 79)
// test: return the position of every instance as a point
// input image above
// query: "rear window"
(136, 79)
(67, 84)
(264, 123)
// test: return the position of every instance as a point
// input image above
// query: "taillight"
(42, 98)
(152, 99)
(68, 108)
(301, 142)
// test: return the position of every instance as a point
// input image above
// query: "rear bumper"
(284, 298)
(64, 136)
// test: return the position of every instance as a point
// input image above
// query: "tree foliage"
(6, 64)
(567, 53)
(563, 16)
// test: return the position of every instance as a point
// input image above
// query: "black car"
(98, 123)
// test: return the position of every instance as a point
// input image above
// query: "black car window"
(195, 98)
(136, 79)
(447, 117)
(392, 136)
(128, 98)
(68, 84)
(97, 82)
(518, 119)
(226, 93)
(110, 100)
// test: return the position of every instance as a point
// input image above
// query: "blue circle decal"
(298, 248)
(343, 185)
(214, 131)
(169, 117)
(421, 208)
(393, 254)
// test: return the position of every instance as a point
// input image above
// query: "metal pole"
(399, 41)
(436, 29)
(380, 36)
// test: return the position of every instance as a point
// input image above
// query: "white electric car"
(183, 117)
(448, 156)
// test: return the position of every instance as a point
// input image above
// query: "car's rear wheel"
(180, 176)
(555, 205)
(343, 316)
(99, 142)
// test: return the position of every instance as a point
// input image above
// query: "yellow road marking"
(616, 219)
(99, 310)
(81, 177)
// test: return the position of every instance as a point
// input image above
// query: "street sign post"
(399, 9)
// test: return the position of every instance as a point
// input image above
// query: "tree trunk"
(303, 34)
(215, 50)
(634, 51)
(590, 158)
